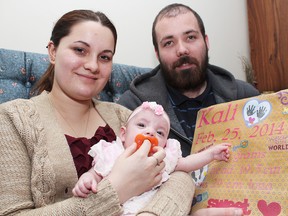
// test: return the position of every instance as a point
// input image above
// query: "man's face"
(183, 52)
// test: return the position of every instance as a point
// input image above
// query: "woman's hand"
(134, 172)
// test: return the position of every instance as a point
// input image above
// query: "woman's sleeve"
(105, 202)
(174, 196)
(17, 157)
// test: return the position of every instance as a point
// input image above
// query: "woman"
(45, 140)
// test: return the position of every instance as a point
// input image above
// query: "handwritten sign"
(256, 176)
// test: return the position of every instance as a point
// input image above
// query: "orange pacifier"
(139, 139)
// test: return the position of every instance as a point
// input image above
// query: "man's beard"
(188, 79)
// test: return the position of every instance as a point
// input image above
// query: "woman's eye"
(106, 58)
(191, 37)
(79, 50)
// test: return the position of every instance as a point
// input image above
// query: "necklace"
(67, 122)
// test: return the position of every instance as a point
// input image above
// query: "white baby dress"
(105, 154)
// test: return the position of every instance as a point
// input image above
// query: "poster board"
(256, 176)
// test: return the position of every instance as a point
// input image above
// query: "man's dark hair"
(174, 10)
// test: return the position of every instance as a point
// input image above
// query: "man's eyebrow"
(191, 31)
(166, 38)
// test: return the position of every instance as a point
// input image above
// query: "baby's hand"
(86, 183)
(221, 151)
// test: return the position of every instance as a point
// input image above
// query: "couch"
(20, 70)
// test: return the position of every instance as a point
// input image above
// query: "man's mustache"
(185, 60)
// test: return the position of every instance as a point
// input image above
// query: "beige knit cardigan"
(37, 171)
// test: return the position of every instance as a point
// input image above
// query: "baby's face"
(147, 123)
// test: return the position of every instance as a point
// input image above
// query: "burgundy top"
(79, 147)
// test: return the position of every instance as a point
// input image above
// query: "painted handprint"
(261, 112)
(255, 111)
(251, 110)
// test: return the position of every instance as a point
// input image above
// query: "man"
(184, 82)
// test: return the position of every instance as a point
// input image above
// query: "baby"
(151, 122)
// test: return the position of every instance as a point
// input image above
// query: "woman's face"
(83, 60)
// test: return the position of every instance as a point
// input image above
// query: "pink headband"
(156, 108)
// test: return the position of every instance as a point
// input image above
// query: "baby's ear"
(122, 133)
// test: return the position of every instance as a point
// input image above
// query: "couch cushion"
(120, 79)
(18, 72)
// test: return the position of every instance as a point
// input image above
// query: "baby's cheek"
(162, 142)
(128, 142)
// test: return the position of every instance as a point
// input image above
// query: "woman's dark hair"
(61, 29)
(174, 10)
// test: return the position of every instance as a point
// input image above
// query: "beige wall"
(26, 25)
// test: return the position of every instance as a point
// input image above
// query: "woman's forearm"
(174, 196)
